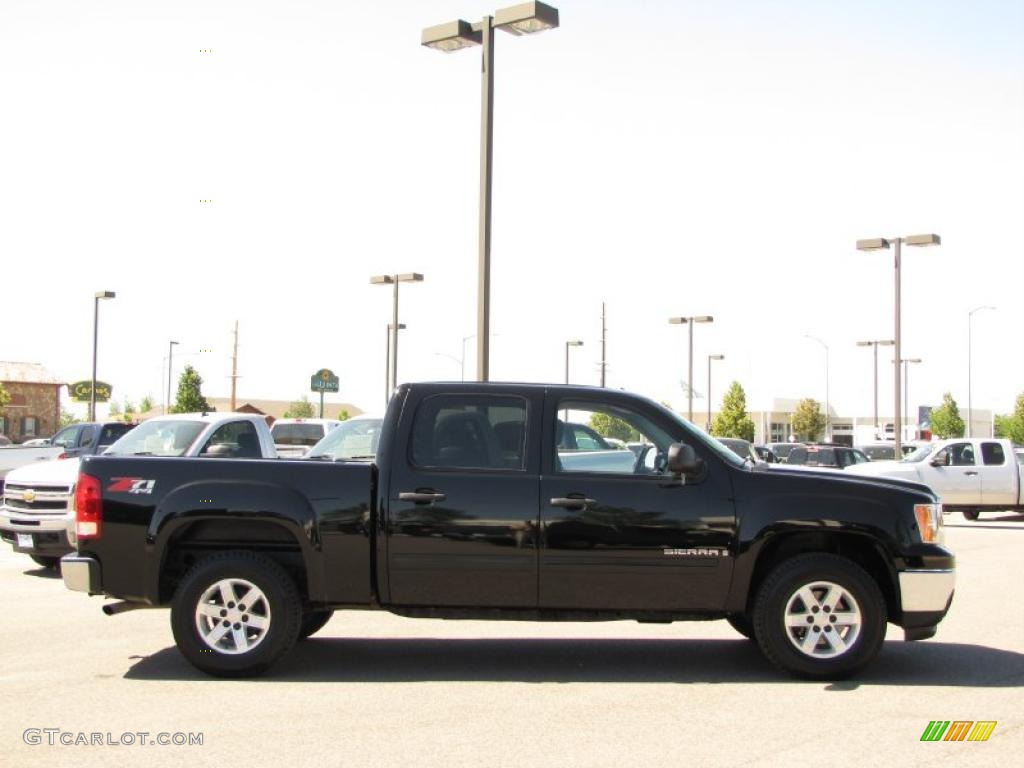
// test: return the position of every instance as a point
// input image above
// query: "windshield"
(356, 438)
(920, 454)
(297, 434)
(158, 438)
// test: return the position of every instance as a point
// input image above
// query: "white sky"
(669, 158)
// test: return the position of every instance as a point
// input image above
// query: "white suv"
(293, 437)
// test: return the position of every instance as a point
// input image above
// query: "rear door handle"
(421, 497)
(573, 502)
(970, 472)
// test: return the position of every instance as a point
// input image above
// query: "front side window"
(961, 455)
(86, 435)
(66, 437)
(992, 454)
(470, 432)
(647, 442)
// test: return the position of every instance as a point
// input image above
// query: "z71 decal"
(130, 485)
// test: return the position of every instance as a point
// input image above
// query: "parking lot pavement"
(377, 690)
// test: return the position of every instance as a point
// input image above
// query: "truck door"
(462, 502)
(617, 531)
(956, 480)
(998, 475)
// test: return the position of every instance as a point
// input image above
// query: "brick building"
(34, 410)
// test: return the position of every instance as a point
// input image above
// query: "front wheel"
(820, 616)
(235, 614)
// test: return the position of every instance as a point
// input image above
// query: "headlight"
(929, 522)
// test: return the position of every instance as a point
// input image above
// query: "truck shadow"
(393, 660)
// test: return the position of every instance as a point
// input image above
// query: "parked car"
(37, 499)
(781, 450)
(82, 439)
(294, 437)
(886, 451)
(4, 440)
(356, 438)
(451, 520)
(970, 475)
(742, 448)
(826, 455)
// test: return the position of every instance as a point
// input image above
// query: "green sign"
(323, 381)
(81, 391)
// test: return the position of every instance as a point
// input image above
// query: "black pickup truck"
(473, 508)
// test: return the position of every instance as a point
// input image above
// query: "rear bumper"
(81, 573)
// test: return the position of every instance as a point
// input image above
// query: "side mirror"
(683, 460)
(940, 460)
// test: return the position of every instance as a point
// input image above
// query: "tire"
(970, 514)
(742, 624)
(313, 622)
(830, 596)
(214, 592)
(53, 563)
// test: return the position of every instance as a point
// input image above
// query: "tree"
(945, 420)
(114, 410)
(808, 422)
(732, 420)
(67, 418)
(1011, 426)
(146, 405)
(607, 425)
(300, 409)
(343, 416)
(5, 397)
(129, 410)
(190, 396)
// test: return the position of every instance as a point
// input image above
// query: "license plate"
(25, 540)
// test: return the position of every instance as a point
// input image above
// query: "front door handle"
(970, 472)
(420, 497)
(573, 502)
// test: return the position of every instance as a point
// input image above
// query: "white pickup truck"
(36, 502)
(970, 475)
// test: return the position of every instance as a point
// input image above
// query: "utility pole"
(604, 336)
(234, 367)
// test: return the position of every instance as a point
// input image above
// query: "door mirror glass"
(940, 459)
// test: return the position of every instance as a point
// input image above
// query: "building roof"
(26, 373)
(276, 408)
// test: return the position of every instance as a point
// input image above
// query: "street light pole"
(906, 385)
(970, 316)
(881, 243)
(567, 345)
(876, 343)
(522, 19)
(394, 326)
(689, 381)
(170, 358)
(95, 339)
(707, 427)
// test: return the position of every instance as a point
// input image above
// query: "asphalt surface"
(373, 689)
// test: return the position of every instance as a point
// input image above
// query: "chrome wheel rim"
(822, 620)
(233, 616)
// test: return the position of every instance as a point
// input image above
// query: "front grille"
(36, 499)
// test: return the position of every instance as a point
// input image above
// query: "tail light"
(62, 456)
(88, 507)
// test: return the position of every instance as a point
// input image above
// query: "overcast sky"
(667, 158)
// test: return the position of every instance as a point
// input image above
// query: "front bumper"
(925, 597)
(81, 573)
(35, 535)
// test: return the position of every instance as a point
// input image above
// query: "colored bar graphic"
(935, 730)
(958, 730)
(982, 730)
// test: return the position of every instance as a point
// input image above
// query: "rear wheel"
(313, 622)
(820, 616)
(970, 514)
(235, 614)
(52, 563)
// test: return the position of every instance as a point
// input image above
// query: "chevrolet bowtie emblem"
(28, 495)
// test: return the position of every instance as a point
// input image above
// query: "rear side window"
(992, 454)
(470, 432)
(112, 432)
(798, 456)
(297, 434)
